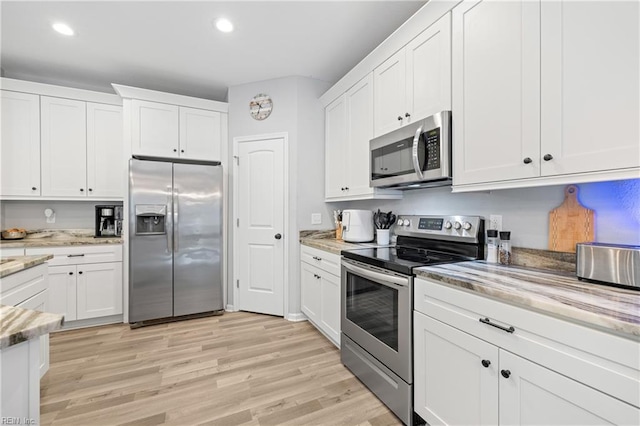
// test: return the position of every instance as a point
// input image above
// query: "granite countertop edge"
(20, 325)
(21, 263)
(544, 297)
(54, 242)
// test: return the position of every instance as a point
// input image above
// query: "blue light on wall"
(617, 207)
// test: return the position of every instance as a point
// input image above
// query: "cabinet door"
(64, 147)
(330, 305)
(496, 90)
(62, 291)
(429, 70)
(310, 291)
(451, 384)
(39, 303)
(20, 160)
(359, 133)
(534, 395)
(99, 290)
(154, 128)
(590, 85)
(390, 104)
(105, 159)
(336, 148)
(200, 134)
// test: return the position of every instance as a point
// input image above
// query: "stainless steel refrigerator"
(175, 239)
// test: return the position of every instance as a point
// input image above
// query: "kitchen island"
(24, 329)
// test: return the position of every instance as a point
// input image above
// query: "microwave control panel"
(432, 143)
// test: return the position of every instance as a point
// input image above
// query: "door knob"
(278, 236)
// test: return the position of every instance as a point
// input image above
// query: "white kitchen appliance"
(357, 226)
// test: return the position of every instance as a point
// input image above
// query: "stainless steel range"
(377, 300)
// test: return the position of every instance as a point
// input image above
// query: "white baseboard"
(92, 322)
(230, 308)
(296, 317)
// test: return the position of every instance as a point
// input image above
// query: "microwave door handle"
(416, 160)
(384, 279)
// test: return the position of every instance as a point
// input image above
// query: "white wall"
(30, 214)
(525, 212)
(298, 112)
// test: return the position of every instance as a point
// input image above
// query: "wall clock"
(260, 106)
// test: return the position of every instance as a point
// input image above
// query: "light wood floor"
(239, 368)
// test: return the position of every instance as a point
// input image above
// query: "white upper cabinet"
(336, 150)
(545, 92)
(20, 150)
(200, 134)
(415, 82)
(154, 128)
(64, 147)
(106, 166)
(167, 125)
(590, 86)
(348, 130)
(496, 90)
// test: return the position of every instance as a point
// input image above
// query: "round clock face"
(260, 106)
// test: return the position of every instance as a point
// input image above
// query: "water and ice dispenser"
(151, 219)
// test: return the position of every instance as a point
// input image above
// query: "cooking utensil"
(570, 223)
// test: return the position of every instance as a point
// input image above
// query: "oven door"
(376, 314)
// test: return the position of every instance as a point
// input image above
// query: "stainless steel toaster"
(609, 263)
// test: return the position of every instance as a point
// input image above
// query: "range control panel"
(463, 228)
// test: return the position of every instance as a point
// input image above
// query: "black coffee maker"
(108, 221)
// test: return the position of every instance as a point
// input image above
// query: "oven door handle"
(384, 279)
(416, 160)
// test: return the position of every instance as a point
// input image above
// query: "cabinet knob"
(182, 151)
(90, 189)
(406, 114)
(175, 150)
(342, 189)
(70, 273)
(346, 188)
(527, 160)
(33, 188)
(505, 373)
(80, 272)
(547, 157)
(486, 363)
(81, 189)
(399, 118)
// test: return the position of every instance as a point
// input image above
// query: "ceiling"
(174, 47)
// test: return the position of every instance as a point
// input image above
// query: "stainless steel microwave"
(414, 156)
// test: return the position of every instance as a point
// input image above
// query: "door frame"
(285, 288)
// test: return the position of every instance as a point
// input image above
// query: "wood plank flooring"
(236, 369)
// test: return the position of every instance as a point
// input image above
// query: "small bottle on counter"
(505, 248)
(492, 246)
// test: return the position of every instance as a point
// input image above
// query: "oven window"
(374, 308)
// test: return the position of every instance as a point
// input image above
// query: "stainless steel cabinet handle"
(75, 255)
(391, 281)
(488, 322)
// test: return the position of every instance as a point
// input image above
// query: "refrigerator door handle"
(169, 214)
(176, 220)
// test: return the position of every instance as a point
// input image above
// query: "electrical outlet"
(316, 218)
(495, 222)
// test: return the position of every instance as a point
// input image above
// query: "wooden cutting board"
(570, 223)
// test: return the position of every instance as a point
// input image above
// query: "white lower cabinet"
(320, 291)
(39, 303)
(84, 282)
(545, 372)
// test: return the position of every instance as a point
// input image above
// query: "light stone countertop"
(18, 325)
(59, 238)
(557, 293)
(11, 265)
(326, 240)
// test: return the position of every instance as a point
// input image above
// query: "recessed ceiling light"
(224, 25)
(63, 28)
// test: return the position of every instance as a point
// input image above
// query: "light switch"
(316, 218)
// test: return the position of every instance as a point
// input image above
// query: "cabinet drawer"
(602, 360)
(11, 252)
(322, 259)
(23, 285)
(79, 255)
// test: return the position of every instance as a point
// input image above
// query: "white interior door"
(260, 225)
